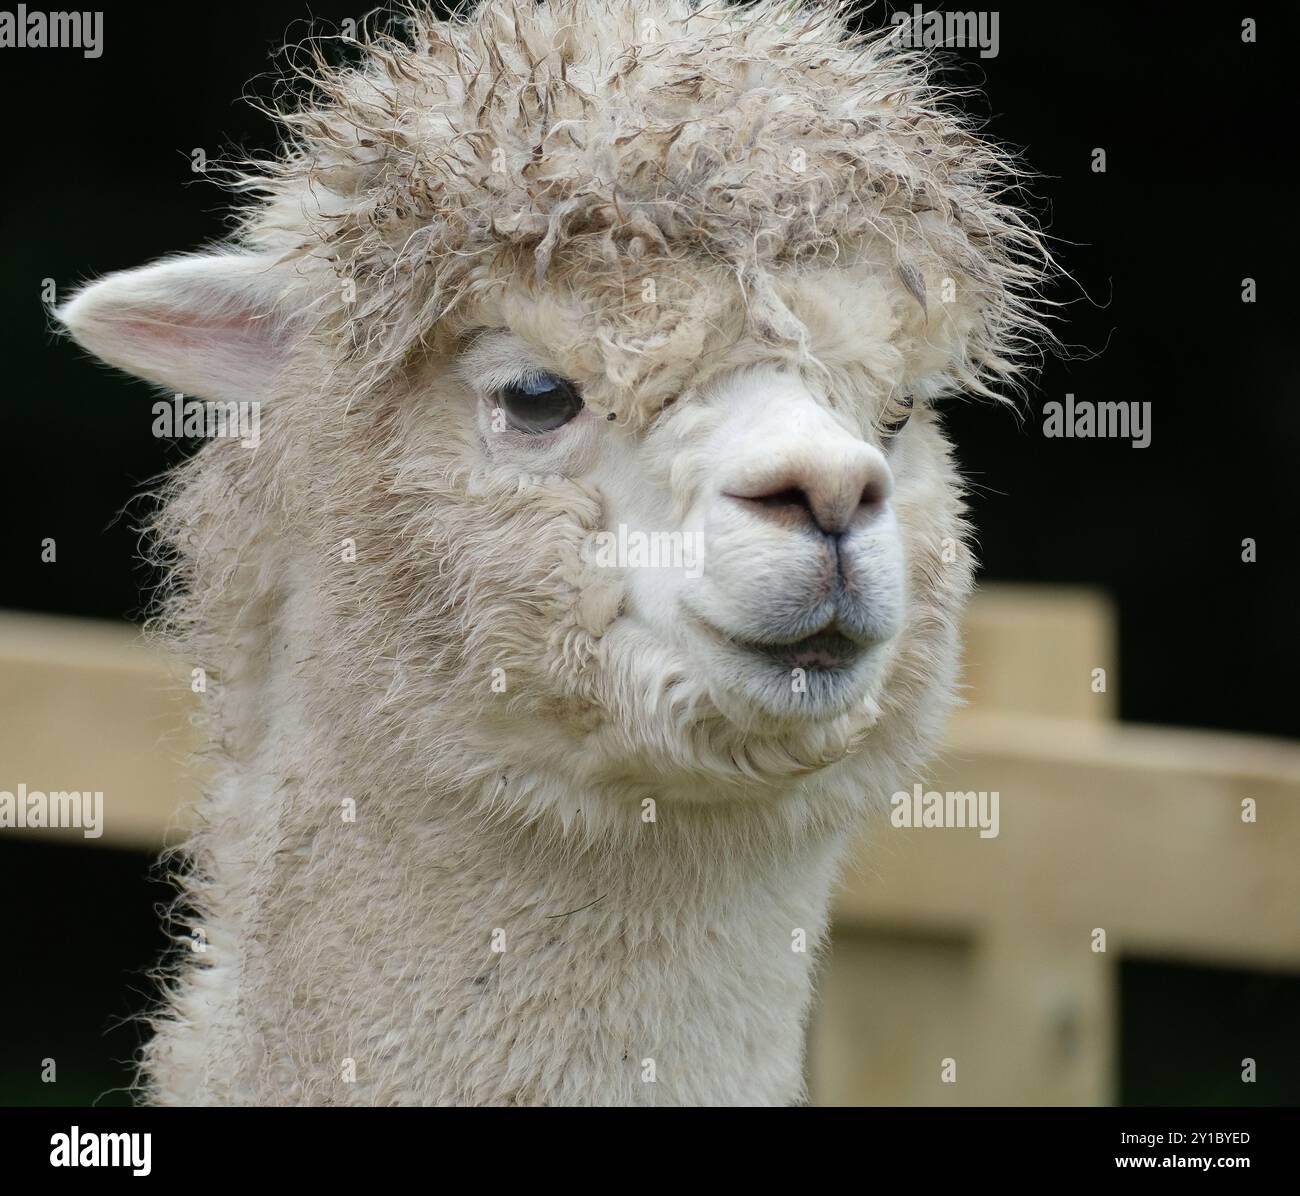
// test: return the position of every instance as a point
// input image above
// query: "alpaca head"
(608, 333)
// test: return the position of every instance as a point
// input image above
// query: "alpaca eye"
(895, 418)
(539, 403)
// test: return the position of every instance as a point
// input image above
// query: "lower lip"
(821, 652)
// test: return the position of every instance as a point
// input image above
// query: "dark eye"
(539, 403)
(895, 418)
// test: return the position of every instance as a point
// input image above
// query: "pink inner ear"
(205, 326)
(184, 328)
(224, 352)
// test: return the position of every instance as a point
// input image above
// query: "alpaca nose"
(830, 488)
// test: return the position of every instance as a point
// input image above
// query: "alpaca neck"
(455, 960)
(651, 973)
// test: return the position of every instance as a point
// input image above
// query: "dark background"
(1199, 193)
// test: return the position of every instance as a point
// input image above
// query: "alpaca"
(502, 813)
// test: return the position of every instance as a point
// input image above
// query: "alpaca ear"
(213, 326)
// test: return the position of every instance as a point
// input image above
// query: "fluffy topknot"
(585, 146)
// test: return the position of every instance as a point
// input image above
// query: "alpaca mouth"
(816, 676)
(827, 649)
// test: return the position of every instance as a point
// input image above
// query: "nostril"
(874, 493)
(789, 507)
(831, 494)
(792, 506)
(791, 496)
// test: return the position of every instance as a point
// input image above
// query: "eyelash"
(902, 410)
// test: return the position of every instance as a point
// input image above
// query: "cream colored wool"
(747, 235)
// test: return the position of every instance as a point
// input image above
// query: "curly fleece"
(587, 146)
